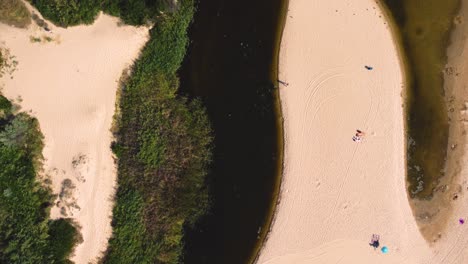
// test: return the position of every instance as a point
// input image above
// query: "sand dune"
(69, 83)
(335, 192)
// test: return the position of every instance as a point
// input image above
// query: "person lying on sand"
(359, 133)
(358, 136)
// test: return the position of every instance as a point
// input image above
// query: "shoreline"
(266, 229)
(274, 246)
(409, 245)
(433, 215)
(449, 241)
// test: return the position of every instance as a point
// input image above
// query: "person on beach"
(283, 82)
(375, 241)
(358, 136)
(359, 133)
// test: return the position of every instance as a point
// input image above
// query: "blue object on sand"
(368, 67)
(384, 249)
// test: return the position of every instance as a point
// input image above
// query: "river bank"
(425, 28)
(449, 204)
(437, 216)
(434, 166)
(336, 192)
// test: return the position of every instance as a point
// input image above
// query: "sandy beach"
(68, 79)
(336, 192)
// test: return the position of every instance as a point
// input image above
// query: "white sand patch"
(336, 192)
(70, 85)
(340, 192)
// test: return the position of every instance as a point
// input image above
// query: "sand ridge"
(335, 192)
(68, 78)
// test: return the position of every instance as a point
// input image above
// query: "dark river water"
(232, 65)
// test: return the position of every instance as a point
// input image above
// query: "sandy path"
(70, 85)
(336, 193)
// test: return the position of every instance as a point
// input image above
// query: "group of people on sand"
(358, 136)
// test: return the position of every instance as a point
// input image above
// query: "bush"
(23, 225)
(26, 233)
(22, 133)
(66, 13)
(15, 13)
(63, 238)
(164, 150)
(5, 105)
(137, 12)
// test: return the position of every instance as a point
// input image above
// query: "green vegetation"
(163, 147)
(27, 235)
(34, 39)
(137, 12)
(64, 236)
(66, 13)
(15, 13)
(43, 39)
(425, 27)
(163, 141)
(8, 62)
(40, 22)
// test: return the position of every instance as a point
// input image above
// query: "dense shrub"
(133, 12)
(66, 13)
(63, 238)
(73, 12)
(27, 235)
(5, 105)
(164, 149)
(21, 133)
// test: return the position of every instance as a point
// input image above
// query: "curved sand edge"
(70, 85)
(435, 215)
(335, 192)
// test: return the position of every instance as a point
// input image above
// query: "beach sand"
(69, 83)
(335, 192)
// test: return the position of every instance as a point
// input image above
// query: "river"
(232, 65)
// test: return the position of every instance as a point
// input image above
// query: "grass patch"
(47, 38)
(14, 13)
(163, 148)
(27, 235)
(34, 39)
(8, 62)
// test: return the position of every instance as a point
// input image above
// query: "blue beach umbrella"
(384, 249)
